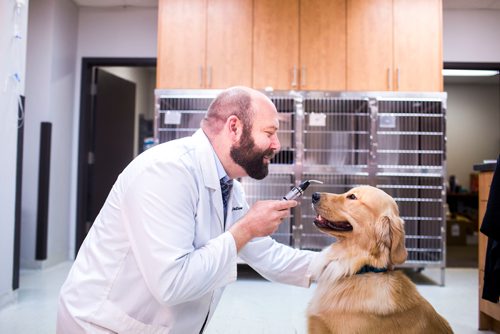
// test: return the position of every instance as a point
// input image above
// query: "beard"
(251, 158)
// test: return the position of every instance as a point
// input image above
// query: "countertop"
(485, 167)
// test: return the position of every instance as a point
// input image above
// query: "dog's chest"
(370, 292)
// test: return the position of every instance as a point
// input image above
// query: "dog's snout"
(315, 197)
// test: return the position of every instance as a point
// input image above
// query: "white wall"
(117, 32)
(13, 61)
(473, 127)
(471, 36)
(50, 83)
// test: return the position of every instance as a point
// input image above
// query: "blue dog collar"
(370, 269)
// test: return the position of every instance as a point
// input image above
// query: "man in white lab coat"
(161, 250)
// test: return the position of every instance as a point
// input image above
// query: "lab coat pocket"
(110, 317)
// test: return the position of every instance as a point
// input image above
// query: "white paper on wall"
(317, 119)
(172, 117)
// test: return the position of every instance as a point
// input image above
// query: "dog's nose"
(315, 197)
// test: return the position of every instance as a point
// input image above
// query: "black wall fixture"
(42, 224)
(19, 186)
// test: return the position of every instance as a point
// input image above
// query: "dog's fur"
(366, 223)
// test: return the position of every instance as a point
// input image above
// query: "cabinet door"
(181, 43)
(276, 44)
(323, 45)
(369, 45)
(229, 43)
(418, 59)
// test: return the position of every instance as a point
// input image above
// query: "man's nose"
(275, 144)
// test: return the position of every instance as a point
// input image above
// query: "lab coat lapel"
(209, 172)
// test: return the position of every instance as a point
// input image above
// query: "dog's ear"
(392, 234)
(397, 232)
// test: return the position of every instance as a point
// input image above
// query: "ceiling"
(474, 4)
(447, 4)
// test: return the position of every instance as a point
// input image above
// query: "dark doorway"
(473, 123)
(112, 140)
(108, 121)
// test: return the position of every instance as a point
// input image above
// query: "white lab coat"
(157, 257)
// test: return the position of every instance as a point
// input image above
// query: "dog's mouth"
(322, 223)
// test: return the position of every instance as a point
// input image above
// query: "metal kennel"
(392, 140)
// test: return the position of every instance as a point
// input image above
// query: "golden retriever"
(358, 291)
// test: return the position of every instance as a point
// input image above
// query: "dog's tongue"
(320, 219)
(338, 226)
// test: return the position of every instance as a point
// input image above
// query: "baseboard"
(51, 261)
(31, 264)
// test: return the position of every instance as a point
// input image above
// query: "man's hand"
(263, 219)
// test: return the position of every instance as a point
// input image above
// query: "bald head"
(238, 101)
(242, 125)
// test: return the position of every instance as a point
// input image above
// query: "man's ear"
(234, 127)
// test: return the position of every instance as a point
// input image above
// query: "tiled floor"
(251, 305)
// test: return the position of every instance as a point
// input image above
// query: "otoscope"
(297, 191)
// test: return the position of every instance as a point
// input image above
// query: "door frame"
(88, 64)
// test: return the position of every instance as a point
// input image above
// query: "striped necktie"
(226, 185)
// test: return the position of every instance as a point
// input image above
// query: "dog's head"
(364, 218)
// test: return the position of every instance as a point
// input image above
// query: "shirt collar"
(220, 169)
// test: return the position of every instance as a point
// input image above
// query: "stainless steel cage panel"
(286, 133)
(179, 113)
(274, 186)
(179, 117)
(393, 140)
(336, 133)
(307, 236)
(410, 159)
(421, 207)
(410, 135)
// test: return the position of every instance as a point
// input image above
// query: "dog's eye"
(351, 196)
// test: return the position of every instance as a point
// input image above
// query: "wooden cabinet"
(369, 45)
(299, 44)
(181, 51)
(322, 45)
(394, 45)
(489, 313)
(418, 59)
(229, 43)
(355, 45)
(276, 44)
(204, 43)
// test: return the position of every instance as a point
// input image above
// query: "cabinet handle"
(397, 78)
(294, 76)
(389, 81)
(201, 75)
(303, 76)
(209, 74)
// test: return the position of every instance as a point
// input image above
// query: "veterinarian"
(164, 245)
